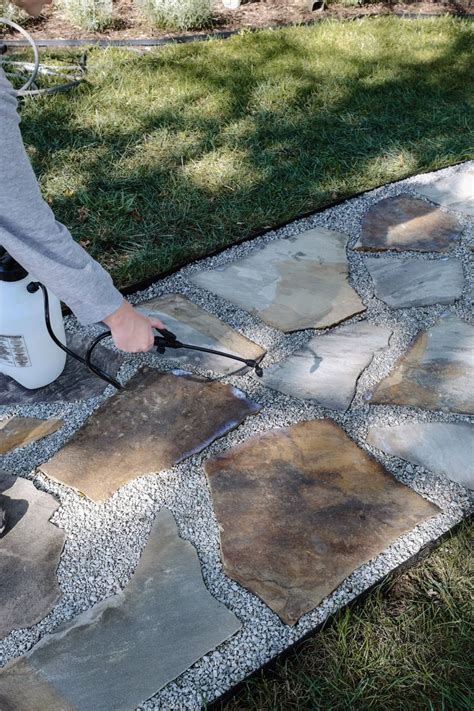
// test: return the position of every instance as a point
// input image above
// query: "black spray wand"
(167, 339)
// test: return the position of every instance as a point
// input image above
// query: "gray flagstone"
(326, 369)
(445, 448)
(291, 284)
(401, 283)
(455, 191)
(122, 651)
(30, 549)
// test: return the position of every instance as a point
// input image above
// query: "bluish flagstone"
(402, 283)
(327, 368)
(122, 651)
(446, 448)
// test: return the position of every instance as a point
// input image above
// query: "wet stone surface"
(446, 448)
(76, 382)
(406, 223)
(20, 431)
(402, 283)
(30, 549)
(437, 372)
(123, 650)
(191, 324)
(291, 284)
(455, 192)
(158, 420)
(326, 369)
(300, 508)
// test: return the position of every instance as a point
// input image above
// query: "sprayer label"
(13, 352)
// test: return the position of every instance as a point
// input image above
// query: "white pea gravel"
(104, 541)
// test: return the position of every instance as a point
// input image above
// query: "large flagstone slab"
(445, 448)
(455, 191)
(437, 372)
(20, 431)
(327, 368)
(30, 549)
(191, 324)
(301, 508)
(402, 283)
(291, 284)
(406, 223)
(126, 648)
(76, 382)
(158, 420)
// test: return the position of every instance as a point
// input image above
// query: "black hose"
(34, 286)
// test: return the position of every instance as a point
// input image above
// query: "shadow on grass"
(169, 156)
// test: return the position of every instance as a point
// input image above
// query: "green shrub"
(178, 14)
(90, 15)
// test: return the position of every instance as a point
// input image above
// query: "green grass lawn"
(408, 645)
(166, 157)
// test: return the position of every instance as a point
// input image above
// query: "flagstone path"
(292, 493)
(401, 283)
(191, 324)
(299, 282)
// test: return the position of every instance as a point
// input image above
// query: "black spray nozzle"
(167, 339)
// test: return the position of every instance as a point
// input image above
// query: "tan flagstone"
(291, 284)
(158, 420)
(300, 508)
(20, 431)
(437, 372)
(406, 223)
(192, 324)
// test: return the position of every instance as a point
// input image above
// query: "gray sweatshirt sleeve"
(32, 235)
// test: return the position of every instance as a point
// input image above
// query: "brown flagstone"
(437, 373)
(30, 549)
(158, 420)
(406, 223)
(20, 431)
(301, 508)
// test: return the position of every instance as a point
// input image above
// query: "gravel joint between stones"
(104, 541)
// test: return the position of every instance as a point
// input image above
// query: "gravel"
(104, 541)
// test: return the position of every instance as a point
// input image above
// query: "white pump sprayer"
(27, 352)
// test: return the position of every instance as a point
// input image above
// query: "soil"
(252, 14)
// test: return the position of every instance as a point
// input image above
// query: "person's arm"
(31, 234)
